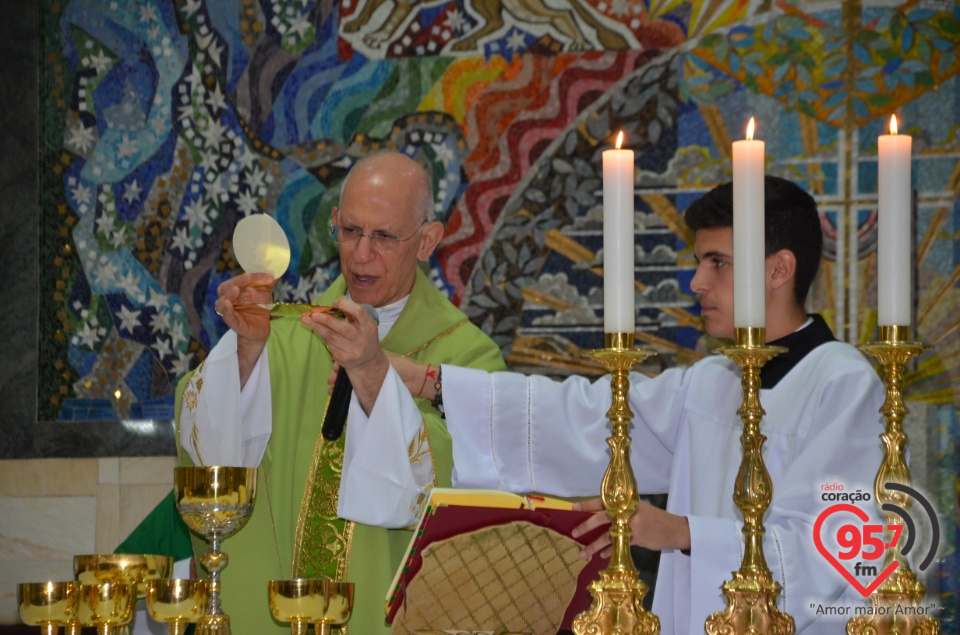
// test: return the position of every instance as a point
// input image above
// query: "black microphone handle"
(339, 405)
(336, 416)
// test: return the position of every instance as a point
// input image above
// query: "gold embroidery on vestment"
(438, 337)
(190, 399)
(323, 539)
(420, 446)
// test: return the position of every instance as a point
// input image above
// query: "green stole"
(294, 530)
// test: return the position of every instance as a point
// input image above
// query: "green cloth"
(162, 532)
(294, 530)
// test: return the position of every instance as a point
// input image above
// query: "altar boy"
(822, 401)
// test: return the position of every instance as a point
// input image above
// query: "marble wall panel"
(147, 470)
(39, 535)
(53, 509)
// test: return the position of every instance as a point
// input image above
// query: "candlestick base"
(752, 593)
(618, 594)
(751, 607)
(894, 605)
(894, 608)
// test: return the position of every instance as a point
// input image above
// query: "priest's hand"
(650, 527)
(236, 304)
(354, 345)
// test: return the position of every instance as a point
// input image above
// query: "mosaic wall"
(165, 122)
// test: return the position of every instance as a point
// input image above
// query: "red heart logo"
(862, 515)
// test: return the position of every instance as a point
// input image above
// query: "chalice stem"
(177, 626)
(215, 561)
(323, 628)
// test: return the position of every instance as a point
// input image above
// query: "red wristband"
(425, 375)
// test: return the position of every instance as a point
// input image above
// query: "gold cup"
(215, 502)
(107, 606)
(176, 602)
(126, 568)
(303, 601)
(121, 567)
(47, 604)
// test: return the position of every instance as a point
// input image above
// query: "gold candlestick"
(618, 594)
(901, 588)
(752, 593)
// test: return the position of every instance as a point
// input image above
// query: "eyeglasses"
(380, 241)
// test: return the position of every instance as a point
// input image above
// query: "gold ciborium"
(322, 602)
(107, 606)
(47, 604)
(176, 602)
(214, 502)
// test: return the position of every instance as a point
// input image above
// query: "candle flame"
(750, 127)
(893, 124)
(619, 139)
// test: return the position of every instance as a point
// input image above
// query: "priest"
(260, 397)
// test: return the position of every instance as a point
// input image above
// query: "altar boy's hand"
(650, 527)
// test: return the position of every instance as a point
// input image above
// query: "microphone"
(339, 405)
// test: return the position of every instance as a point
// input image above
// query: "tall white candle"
(618, 260)
(749, 297)
(894, 264)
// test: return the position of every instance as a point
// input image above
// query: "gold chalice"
(122, 567)
(176, 602)
(322, 602)
(214, 502)
(47, 604)
(107, 606)
(126, 568)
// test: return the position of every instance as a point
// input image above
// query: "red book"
(490, 555)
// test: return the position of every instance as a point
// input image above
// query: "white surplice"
(822, 425)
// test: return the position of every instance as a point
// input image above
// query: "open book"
(492, 560)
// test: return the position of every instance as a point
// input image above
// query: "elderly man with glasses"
(260, 397)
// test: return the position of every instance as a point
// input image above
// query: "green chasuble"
(294, 530)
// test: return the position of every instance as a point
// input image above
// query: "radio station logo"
(863, 544)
